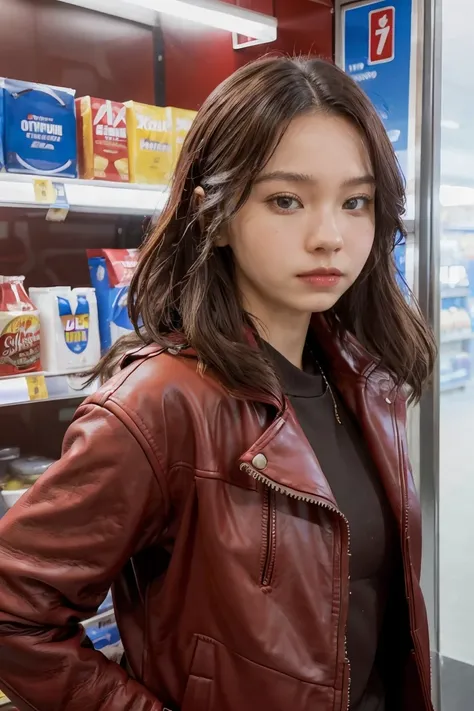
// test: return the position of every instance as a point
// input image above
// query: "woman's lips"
(321, 279)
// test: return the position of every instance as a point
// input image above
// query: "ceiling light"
(205, 12)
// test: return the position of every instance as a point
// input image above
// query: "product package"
(19, 329)
(70, 341)
(2, 125)
(40, 129)
(150, 143)
(111, 271)
(181, 120)
(102, 139)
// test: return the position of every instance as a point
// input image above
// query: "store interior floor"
(456, 548)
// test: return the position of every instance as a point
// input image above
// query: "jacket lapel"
(284, 458)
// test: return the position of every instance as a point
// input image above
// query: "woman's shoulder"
(181, 412)
(153, 378)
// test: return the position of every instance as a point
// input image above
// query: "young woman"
(243, 480)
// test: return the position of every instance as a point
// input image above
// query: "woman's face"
(307, 229)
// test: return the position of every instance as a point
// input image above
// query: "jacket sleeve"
(61, 547)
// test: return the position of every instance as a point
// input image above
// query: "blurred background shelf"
(457, 336)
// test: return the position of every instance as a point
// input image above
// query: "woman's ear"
(199, 195)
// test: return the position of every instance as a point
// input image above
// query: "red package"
(102, 139)
(19, 329)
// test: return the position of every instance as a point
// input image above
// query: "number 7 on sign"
(381, 35)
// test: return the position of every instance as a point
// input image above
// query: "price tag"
(45, 191)
(48, 192)
(37, 388)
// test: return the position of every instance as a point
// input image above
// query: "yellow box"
(181, 120)
(150, 144)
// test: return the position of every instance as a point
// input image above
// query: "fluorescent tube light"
(205, 12)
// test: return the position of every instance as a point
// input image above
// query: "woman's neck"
(289, 340)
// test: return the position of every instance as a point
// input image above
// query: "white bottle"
(70, 340)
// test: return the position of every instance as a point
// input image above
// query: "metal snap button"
(260, 461)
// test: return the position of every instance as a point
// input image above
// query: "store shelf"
(37, 387)
(457, 336)
(458, 292)
(455, 380)
(18, 191)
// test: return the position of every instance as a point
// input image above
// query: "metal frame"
(424, 420)
(428, 229)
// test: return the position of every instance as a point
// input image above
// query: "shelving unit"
(455, 344)
(36, 387)
(92, 197)
(31, 197)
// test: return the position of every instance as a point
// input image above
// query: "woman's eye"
(286, 203)
(356, 203)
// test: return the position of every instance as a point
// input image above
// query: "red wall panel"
(55, 43)
(198, 59)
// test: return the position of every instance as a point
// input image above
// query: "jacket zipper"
(269, 536)
(309, 499)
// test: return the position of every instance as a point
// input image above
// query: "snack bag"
(39, 129)
(19, 329)
(111, 271)
(181, 120)
(102, 139)
(150, 144)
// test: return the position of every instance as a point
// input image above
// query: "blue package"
(40, 129)
(108, 603)
(110, 272)
(103, 637)
(2, 126)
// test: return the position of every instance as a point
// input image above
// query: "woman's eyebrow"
(291, 177)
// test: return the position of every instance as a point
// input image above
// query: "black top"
(356, 486)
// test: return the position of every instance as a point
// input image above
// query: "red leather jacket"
(229, 554)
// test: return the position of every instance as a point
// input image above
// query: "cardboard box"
(181, 120)
(39, 129)
(111, 271)
(150, 144)
(102, 139)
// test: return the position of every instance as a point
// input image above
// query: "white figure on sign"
(383, 33)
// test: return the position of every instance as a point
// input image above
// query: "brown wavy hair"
(184, 285)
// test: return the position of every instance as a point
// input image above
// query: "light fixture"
(212, 13)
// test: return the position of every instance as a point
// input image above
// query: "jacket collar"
(369, 395)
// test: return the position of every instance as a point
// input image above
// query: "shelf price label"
(37, 388)
(3, 699)
(48, 192)
(45, 191)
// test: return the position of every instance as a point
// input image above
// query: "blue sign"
(376, 45)
(377, 39)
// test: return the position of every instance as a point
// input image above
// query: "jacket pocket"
(267, 561)
(197, 696)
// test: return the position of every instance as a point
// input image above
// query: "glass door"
(456, 356)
